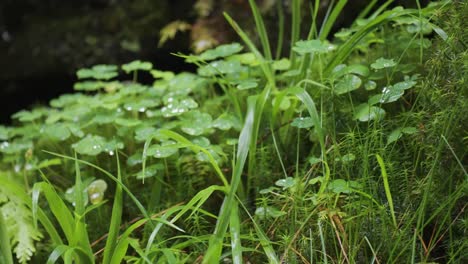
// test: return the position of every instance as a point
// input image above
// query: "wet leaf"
(268, 212)
(57, 131)
(341, 186)
(15, 146)
(165, 75)
(93, 145)
(282, 64)
(310, 46)
(28, 116)
(196, 123)
(137, 65)
(143, 133)
(346, 158)
(347, 84)
(88, 86)
(220, 52)
(246, 84)
(163, 150)
(397, 133)
(127, 122)
(365, 112)
(96, 191)
(370, 85)
(391, 94)
(314, 160)
(225, 122)
(4, 131)
(286, 183)
(150, 171)
(382, 63)
(98, 72)
(220, 67)
(302, 122)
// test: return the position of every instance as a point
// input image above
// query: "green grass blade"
(116, 217)
(345, 50)
(58, 208)
(264, 241)
(216, 241)
(330, 20)
(112, 177)
(388, 192)
(195, 148)
(295, 26)
(261, 30)
(266, 68)
(5, 248)
(235, 230)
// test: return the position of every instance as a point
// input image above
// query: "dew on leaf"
(302, 122)
(196, 123)
(286, 183)
(382, 63)
(365, 112)
(314, 45)
(370, 85)
(347, 84)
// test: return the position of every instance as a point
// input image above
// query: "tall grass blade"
(116, 217)
(266, 68)
(330, 20)
(388, 192)
(235, 230)
(261, 30)
(213, 252)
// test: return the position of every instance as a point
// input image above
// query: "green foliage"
(274, 157)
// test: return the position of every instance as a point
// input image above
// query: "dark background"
(43, 42)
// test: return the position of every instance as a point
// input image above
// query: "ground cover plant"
(349, 149)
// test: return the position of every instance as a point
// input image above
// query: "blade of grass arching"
(331, 19)
(5, 250)
(70, 255)
(295, 27)
(262, 33)
(266, 68)
(213, 252)
(235, 230)
(312, 109)
(58, 208)
(116, 218)
(264, 241)
(388, 192)
(345, 50)
(112, 177)
(195, 148)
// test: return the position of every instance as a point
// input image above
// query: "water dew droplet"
(129, 108)
(142, 110)
(111, 153)
(170, 99)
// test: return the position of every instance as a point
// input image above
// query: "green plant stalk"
(388, 192)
